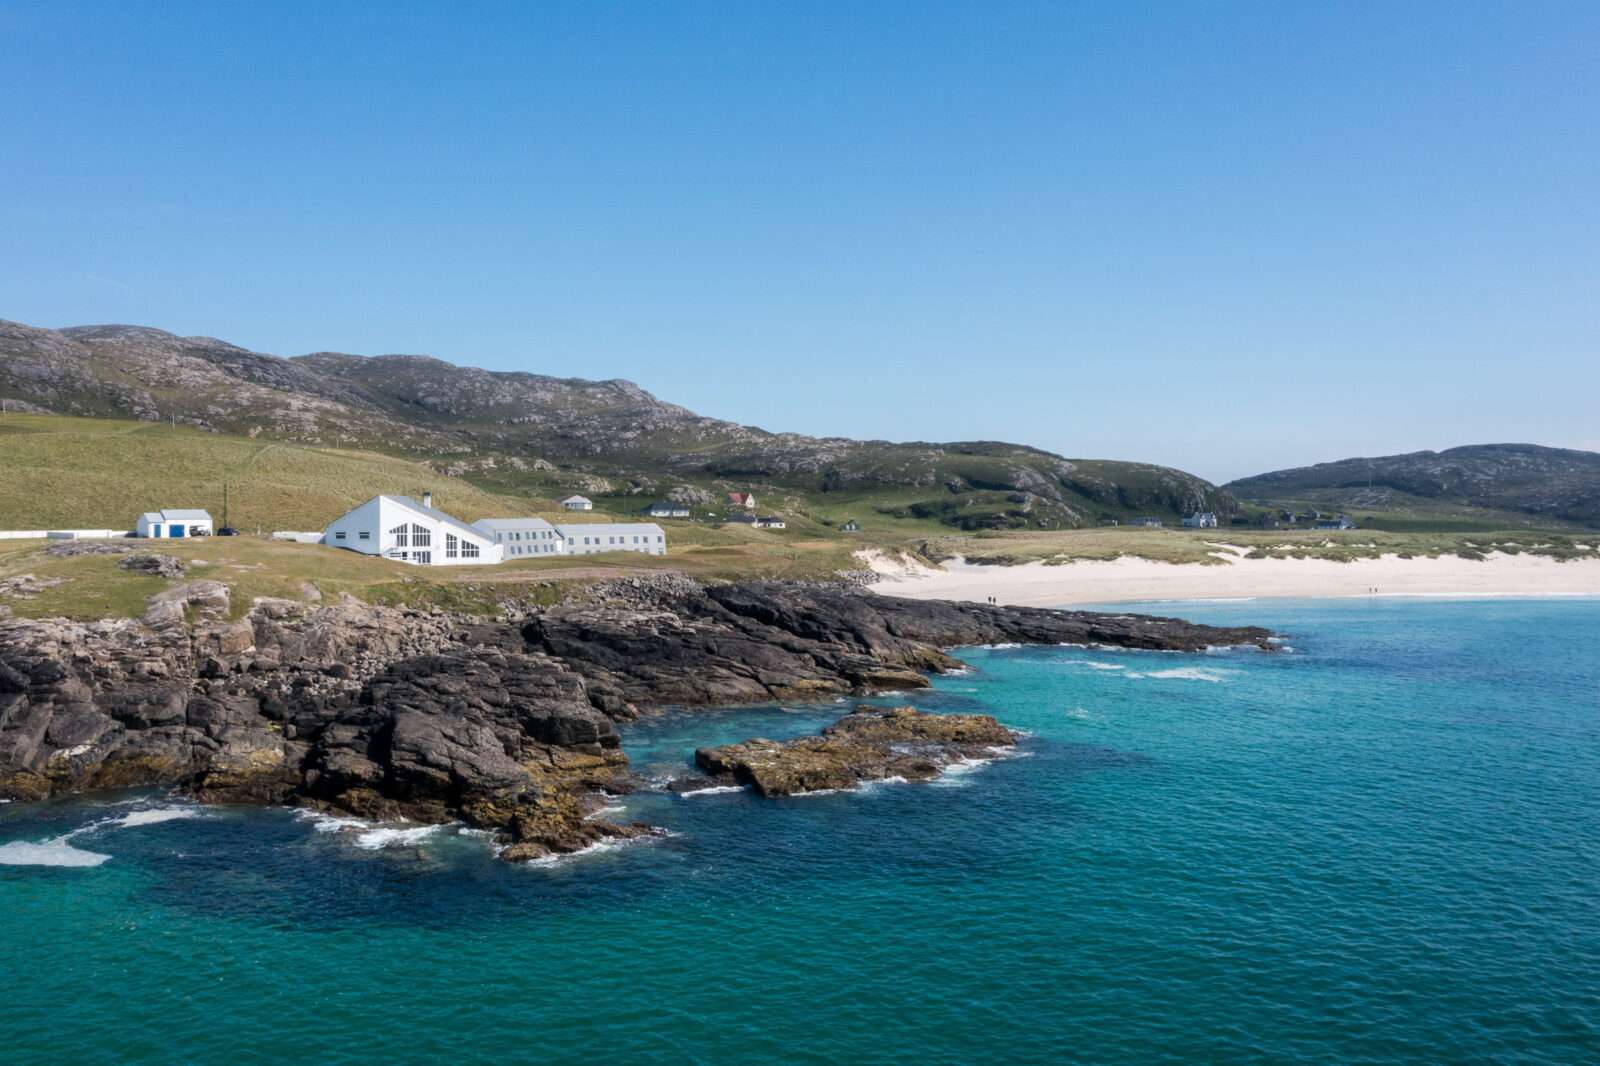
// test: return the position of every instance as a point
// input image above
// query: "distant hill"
(529, 433)
(1551, 483)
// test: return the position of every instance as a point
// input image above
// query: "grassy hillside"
(1484, 485)
(92, 473)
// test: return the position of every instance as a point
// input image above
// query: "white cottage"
(398, 527)
(590, 539)
(174, 522)
(520, 537)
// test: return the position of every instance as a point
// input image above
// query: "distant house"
(518, 537)
(746, 500)
(850, 526)
(667, 509)
(1146, 522)
(771, 521)
(578, 503)
(174, 522)
(400, 528)
(644, 537)
(1201, 520)
(742, 519)
(1340, 522)
(1268, 521)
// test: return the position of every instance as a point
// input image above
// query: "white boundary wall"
(61, 534)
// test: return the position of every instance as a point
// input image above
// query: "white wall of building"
(523, 537)
(591, 539)
(389, 527)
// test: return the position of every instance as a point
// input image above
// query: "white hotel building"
(400, 528)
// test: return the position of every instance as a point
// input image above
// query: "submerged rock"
(870, 744)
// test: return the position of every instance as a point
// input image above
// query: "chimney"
(427, 499)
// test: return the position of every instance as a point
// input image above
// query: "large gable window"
(400, 537)
(469, 550)
(420, 536)
(452, 546)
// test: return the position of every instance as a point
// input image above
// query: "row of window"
(363, 535)
(537, 549)
(619, 540)
(456, 548)
(419, 536)
(529, 534)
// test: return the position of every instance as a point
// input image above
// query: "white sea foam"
(155, 816)
(1078, 713)
(712, 790)
(1000, 647)
(599, 847)
(610, 810)
(1186, 673)
(1104, 666)
(394, 836)
(332, 823)
(56, 852)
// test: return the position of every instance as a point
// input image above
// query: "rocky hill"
(508, 429)
(1552, 483)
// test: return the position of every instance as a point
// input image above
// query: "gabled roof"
(576, 499)
(503, 524)
(437, 515)
(590, 529)
(150, 516)
(185, 514)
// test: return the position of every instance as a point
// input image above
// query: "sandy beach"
(1129, 579)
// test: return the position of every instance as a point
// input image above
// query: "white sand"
(1130, 579)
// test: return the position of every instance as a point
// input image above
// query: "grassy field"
(96, 587)
(101, 473)
(1205, 546)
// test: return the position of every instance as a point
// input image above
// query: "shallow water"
(1383, 845)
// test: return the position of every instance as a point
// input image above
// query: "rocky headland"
(392, 713)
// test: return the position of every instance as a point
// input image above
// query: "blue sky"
(1227, 237)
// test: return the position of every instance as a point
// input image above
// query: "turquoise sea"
(1383, 845)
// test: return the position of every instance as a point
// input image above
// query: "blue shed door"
(178, 529)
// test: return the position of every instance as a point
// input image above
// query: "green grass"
(102, 473)
(1202, 545)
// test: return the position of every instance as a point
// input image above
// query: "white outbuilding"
(578, 503)
(520, 537)
(174, 522)
(590, 539)
(400, 528)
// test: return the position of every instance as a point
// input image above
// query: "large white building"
(518, 537)
(398, 527)
(590, 539)
(174, 522)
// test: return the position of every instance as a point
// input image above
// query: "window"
(420, 537)
(452, 548)
(339, 535)
(400, 536)
(469, 550)
(365, 534)
(425, 558)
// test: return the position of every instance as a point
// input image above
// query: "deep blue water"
(1381, 846)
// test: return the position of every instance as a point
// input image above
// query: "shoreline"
(1129, 580)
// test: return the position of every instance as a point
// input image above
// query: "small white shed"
(172, 523)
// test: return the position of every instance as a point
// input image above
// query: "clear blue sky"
(1228, 237)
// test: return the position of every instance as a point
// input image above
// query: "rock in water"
(870, 744)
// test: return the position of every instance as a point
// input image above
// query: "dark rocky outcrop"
(870, 744)
(394, 713)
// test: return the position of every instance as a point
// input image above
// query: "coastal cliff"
(392, 713)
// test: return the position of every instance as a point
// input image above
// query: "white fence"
(62, 534)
